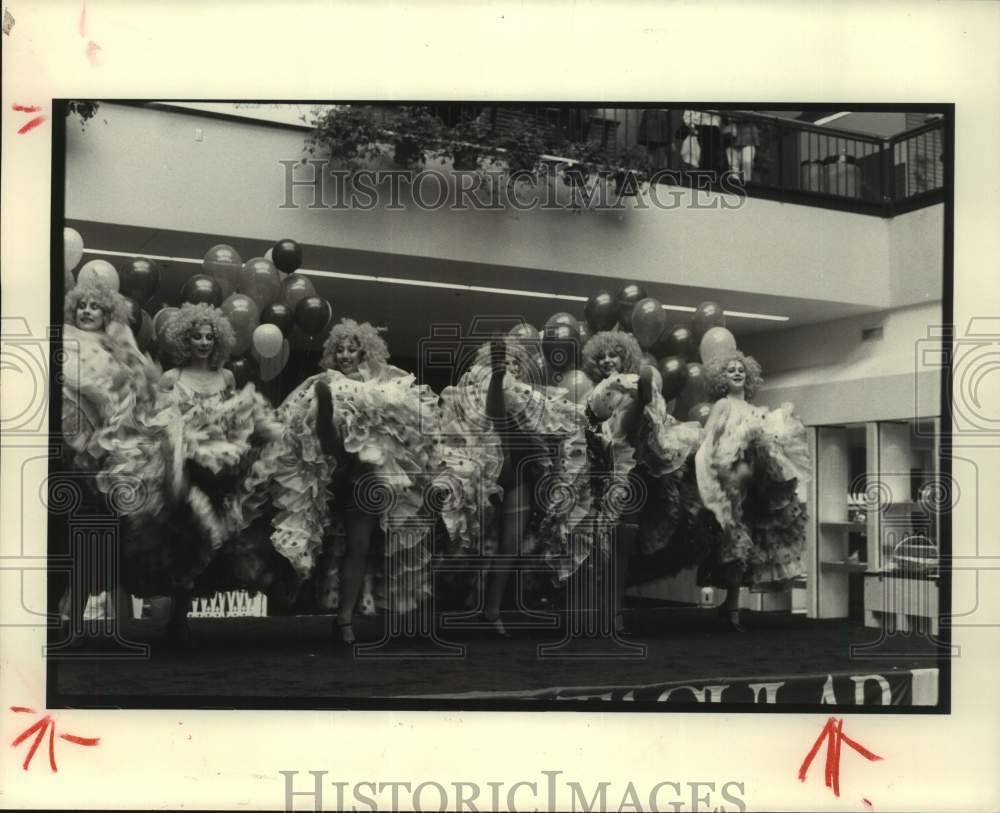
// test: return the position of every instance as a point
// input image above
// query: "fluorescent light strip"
(419, 283)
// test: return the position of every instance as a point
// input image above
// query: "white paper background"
(844, 52)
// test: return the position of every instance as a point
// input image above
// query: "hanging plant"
(347, 134)
(85, 111)
(417, 135)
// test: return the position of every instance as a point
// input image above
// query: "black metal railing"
(776, 158)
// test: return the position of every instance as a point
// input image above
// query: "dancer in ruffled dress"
(517, 449)
(204, 461)
(752, 468)
(638, 452)
(105, 381)
(356, 449)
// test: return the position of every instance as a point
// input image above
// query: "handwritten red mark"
(94, 54)
(83, 21)
(33, 123)
(833, 733)
(867, 803)
(46, 725)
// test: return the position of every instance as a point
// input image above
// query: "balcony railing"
(776, 158)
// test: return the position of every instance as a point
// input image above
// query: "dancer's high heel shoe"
(343, 634)
(496, 626)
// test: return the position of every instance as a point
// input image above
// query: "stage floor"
(293, 658)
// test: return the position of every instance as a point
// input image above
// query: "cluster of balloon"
(629, 296)
(561, 342)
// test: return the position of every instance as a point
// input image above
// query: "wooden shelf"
(847, 567)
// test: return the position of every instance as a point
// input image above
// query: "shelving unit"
(889, 462)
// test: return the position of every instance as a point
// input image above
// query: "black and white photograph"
(497, 405)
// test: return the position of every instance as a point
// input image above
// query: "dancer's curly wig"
(622, 344)
(183, 323)
(718, 384)
(374, 350)
(111, 302)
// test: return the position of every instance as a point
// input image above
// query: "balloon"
(296, 288)
(134, 312)
(695, 390)
(146, 336)
(222, 263)
(679, 341)
(244, 315)
(161, 318)
(707, 315)
(140, 277)
(271, 367)
(697, 384)
(70, 282)
(280, 315)
(628, 297)
(674, 372)
(585, 333)
(267, 341)
(575, 382)
(561, 346)
(202, 288)
(312, 314)
(648, 321)
(260, 280)
(716, 342)
(524, 333)
(244, 370)
(72, 249)
(562, 318)
(601, 311)
(98, 272)
(269, 254)
(700, 412)
(287, 255)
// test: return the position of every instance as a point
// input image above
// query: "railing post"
(779, 180)
(888, 193)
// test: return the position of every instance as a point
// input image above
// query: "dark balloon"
(134, 311)
(561, 346)
(700, 412)
(628, 297)
(680, 341)
(562, 318)
(244, 370)
(279, 314)
(648, 322)
(139, 279)
(673, 370)
(287, 256)
(706, 316)
(312, 314)
(601, 311)
(202, 288)
(697, 383)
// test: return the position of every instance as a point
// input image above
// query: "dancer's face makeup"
(610, 363)
(347, 357)
(736, 375)
(202, 342)
(89, 315)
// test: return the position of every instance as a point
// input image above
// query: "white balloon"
(99, 272)
(72, 248)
